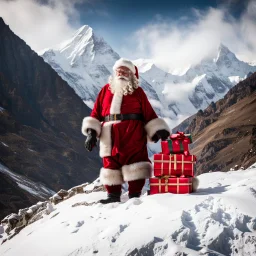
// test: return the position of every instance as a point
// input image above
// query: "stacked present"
(174, 167)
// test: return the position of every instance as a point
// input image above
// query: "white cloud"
(41, 25)
(175, 46)
(181, 91)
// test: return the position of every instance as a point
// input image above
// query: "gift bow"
(178, 135)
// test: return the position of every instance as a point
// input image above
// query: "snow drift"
(220, 219)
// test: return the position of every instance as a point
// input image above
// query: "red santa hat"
(126, 63)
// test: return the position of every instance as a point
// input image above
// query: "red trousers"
(116, 163)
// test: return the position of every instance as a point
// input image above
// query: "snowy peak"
(144, 65)
(84, 30)
(84, 47)
(85, 61)
(223, 51)
(225, 56)
(81, 44)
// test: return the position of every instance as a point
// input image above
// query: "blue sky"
(161, 30)
(115, 19)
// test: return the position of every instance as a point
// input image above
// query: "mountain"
(225, 132)
(40, 124)
(200, 85)
(219, 219)
(85, 61)
(17, 191)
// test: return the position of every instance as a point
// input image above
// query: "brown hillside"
(225, 133)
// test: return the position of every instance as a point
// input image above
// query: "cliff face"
(40, 120)
(225, 133)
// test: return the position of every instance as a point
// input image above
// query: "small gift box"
(174, 165)
(177, 143)
(170, 185)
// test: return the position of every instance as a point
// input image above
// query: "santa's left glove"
(91, 139)
(161, 134)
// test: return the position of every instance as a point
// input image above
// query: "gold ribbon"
(166, 184)
(168, 161)
(162, 161)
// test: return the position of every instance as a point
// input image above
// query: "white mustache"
(123, 78)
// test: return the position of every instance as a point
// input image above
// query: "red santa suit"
(123, 144)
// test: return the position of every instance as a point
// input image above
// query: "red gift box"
(177, 143)
(170, 185)
(174, 165)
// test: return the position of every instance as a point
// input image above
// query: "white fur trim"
(111, 177)
(106, 139)
(93, 123)
(137, 171)
(124, 63)
(116, 103)
(195, 184)
(155, 125)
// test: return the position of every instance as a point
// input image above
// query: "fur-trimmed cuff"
(111, 177)
(137, 171)
(195, 184)
(155, 125)
(92, 123)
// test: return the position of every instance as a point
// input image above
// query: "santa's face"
(123, 81)
(123, 73)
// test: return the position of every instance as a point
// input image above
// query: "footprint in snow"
(79, 224)
(65, 223)
(133, 201)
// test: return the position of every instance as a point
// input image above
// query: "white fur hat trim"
(124, 63)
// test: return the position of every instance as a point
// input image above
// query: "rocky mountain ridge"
(224, 133)
(40, 124)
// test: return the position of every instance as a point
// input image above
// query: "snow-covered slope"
(220, 219)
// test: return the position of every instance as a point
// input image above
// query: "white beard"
(118, 84)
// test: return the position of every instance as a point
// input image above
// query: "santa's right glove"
(160, 134)
(90, 140)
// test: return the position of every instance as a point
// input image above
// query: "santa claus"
(123, 120)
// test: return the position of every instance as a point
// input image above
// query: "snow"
(219, 219)
(85, 61)
(234, 79)
(26, 184)
(185, 93)
(28, 189)
(5, 144)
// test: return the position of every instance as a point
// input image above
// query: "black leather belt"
(121, 117)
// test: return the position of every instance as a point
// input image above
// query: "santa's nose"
(122, 72)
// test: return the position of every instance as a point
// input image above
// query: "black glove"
(161, 134)
(90, 140)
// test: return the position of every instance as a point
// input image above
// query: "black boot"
(112, 198)
(135, 195)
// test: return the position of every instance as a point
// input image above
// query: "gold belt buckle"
(114, 117)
